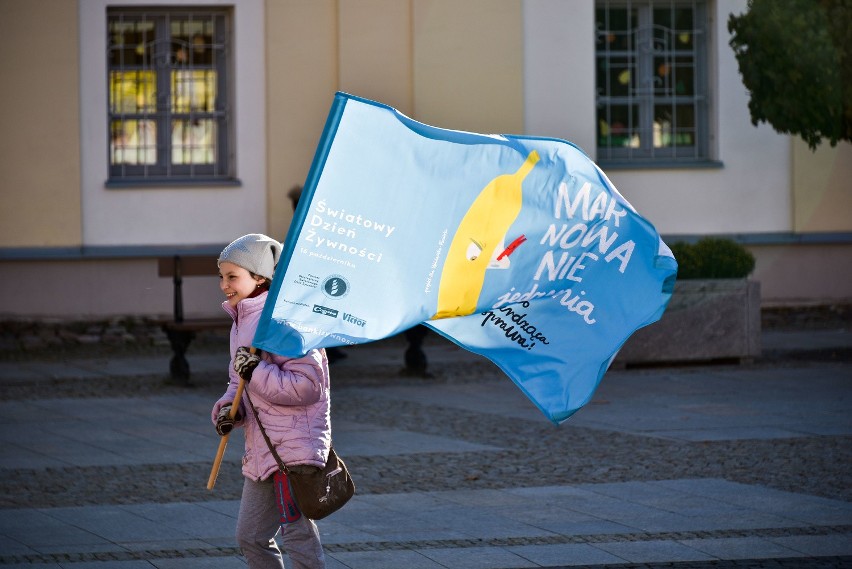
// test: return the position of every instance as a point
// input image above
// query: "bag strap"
(278, 460)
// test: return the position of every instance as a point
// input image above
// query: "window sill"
(660, 165)
(172, 182)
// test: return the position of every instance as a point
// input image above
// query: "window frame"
(221, 171)
(641, 55)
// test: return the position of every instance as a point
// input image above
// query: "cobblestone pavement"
(514, 452)
(534, 453)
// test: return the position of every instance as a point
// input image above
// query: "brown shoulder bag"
(321, 492)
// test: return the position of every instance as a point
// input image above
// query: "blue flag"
(514, 247)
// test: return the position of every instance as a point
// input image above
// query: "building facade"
(134, 131)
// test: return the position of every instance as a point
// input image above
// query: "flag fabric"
(517, 248)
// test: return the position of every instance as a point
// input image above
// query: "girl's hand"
(217, 410)
(224, 422)
(245, 362)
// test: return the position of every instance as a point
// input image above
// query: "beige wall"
(803, 274)
(301, 62)
(560, 70)
(39, 110)
(102, 288)
(468, 65)
(374, 51)
(449, 63)
(822, 187)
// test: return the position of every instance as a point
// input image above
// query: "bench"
(179, 330)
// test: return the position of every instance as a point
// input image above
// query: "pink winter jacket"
(291, 396)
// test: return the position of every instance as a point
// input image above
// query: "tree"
(795, 57)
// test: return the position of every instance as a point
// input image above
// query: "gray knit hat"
(254, 252)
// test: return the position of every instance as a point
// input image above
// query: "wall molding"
(775, 238)
(107, 252)
(115, 252)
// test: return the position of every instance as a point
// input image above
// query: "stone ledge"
(712, 319)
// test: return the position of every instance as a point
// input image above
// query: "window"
(169, 117)
(651, 81)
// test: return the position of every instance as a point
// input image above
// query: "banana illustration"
(481, 231)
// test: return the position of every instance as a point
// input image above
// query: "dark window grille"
(651, 80)
(167, 77)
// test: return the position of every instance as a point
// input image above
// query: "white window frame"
(186, 140)
(638, 138)
(174, 213)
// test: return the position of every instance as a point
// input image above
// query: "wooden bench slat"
(198, 324)
(190, 266)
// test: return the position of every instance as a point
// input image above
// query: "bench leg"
(178, 366)
(415, 357)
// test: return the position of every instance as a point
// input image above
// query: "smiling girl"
(291, 399)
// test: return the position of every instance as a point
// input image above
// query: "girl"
(291, 399)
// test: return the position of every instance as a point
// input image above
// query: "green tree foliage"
(795, 57)
(712, 258)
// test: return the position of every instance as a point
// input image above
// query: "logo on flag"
(335, 286)
(516, 248)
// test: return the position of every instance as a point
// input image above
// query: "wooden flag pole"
(223, 441)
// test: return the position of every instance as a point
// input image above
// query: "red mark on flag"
(511, 248)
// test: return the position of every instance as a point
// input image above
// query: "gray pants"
(257, 524)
